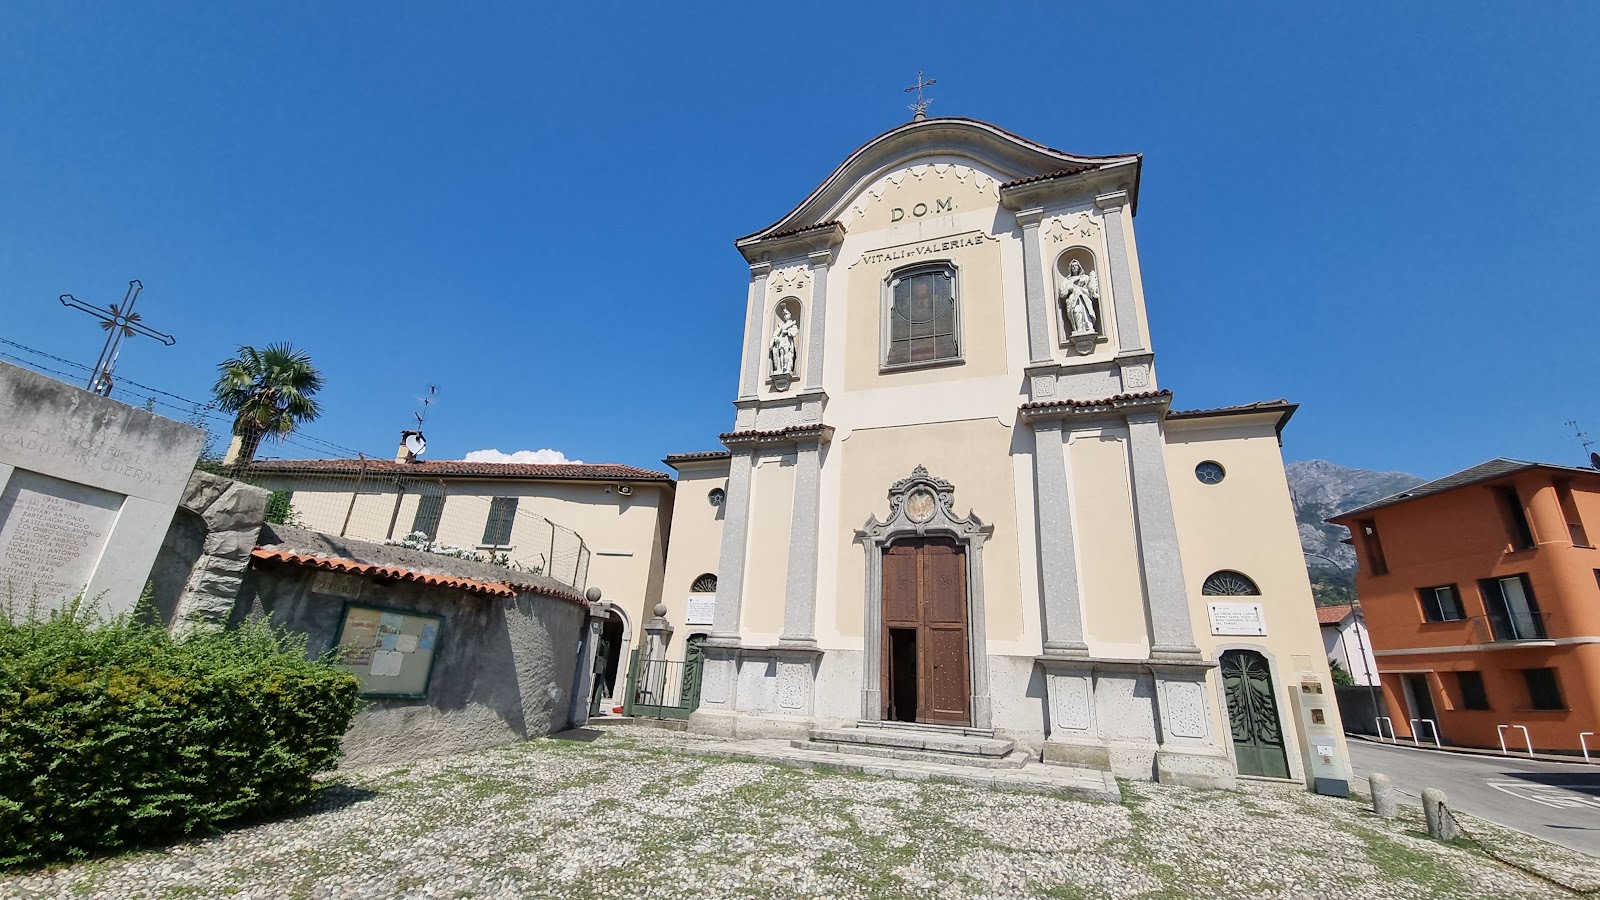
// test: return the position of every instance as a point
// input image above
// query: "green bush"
(114, 735)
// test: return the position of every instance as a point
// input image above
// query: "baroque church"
(956, 496)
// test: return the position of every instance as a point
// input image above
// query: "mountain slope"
(1322, 489)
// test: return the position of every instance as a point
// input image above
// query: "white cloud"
(521, 456)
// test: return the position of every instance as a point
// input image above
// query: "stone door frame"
(937, 519)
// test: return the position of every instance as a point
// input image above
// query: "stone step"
(1033, 777)
(1016, 759)
(916, 739)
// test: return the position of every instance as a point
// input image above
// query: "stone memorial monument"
(88, 487)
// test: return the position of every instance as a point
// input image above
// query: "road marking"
(1560, 798)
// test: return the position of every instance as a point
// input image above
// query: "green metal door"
(1253, 715)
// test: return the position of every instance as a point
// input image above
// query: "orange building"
(1482, 598)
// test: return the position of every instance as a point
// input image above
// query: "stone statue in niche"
(781, 347)
(1080, 302)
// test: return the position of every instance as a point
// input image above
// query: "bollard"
(1383, 801)
(1436, 807)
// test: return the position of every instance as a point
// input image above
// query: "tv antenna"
(1586, 441)
(415, 443)
(427, 400)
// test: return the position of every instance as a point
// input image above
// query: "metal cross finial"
(119, 321)
(920, 108)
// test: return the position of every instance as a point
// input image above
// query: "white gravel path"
(635, 813)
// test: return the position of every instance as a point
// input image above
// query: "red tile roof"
(1117, 400)
(1333, 615)
(461, 468)
(357, 567)
(1059, 173)
(753, 436)
(1258, 406)
(674, 458)
(803, 229)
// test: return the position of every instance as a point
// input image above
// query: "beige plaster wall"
(696, 544)
(766, 566)
(972, 454)
(1107, 543)
(1246, 523)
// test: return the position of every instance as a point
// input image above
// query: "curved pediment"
(1017, 161)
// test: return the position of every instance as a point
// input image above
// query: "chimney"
(405, 453)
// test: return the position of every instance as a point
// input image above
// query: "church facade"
(955, 495)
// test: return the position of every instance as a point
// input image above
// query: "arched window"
(1228, 583)
(920, 317)
(705, 584)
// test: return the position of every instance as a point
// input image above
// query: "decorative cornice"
(937, 517)
(760, 270)
(1111, 200)
(1117, 176)
(1029, 218)
(1120, 404)
(793, 243)
(794, 434)
(820, 258)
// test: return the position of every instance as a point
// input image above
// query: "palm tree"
(269, 392)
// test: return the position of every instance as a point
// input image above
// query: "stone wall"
(504, 669)
(200, 568)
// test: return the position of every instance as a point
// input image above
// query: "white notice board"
(1237, 618)
(702, 609)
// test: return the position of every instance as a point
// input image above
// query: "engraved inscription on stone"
(51, 535)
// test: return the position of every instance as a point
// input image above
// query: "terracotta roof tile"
(802, 230)
(1258, 406)
(674, 458)
(1059, 173)
(462, 468)
(1333, 615)
(775, 434)
(357, 567)
(1116, 400)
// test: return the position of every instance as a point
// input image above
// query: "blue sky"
(1384, 212)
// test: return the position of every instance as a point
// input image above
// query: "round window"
(1209, 472)
(716, 496)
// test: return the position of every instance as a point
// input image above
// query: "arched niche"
(783, 344)
(1079, 329)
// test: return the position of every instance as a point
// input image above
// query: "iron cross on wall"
(920, 107)
(118, 322)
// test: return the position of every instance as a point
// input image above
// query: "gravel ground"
(635, 813)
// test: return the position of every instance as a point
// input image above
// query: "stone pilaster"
(1058, 561)
(751, 368)
(735, 537)
(1037, 291)
(1171, 635)
(816, 331)
(800, 595)
(1129, 339)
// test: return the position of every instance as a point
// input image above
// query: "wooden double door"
(926, 670)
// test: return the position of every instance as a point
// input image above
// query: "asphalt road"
(1559, 802)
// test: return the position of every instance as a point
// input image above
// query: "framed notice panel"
(391, 651)
(1237, 618)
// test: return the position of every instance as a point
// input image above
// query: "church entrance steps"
(950, 743)
(1013, 760)
(1031, 777)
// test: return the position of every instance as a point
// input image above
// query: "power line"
(193, 408)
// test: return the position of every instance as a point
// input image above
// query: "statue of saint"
(1079, 293)
(782, 346)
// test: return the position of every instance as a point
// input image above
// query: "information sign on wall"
(702, 609)
(389, 650)
(1237, 618)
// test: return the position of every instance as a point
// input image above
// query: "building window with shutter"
(430, 507)
(921, 317)
(1441, 604)
(1517, 528)
(1544, 692)
(1473, 694)
(502, 516)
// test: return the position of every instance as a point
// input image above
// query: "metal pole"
(360, 478)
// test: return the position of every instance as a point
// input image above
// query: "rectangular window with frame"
(1473, 693)
(1517, 527)
(430, 508)
(1441, 604)
(502, 516)
(1544, 691)
(1569, 512)
(1368, 531)
(921, 317)
(1513, 612)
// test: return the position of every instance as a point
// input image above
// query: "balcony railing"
(1519, 626)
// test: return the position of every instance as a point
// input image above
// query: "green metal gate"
(664, 689)
(1253, 714)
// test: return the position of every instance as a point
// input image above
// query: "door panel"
(924, 590)
(1253, 714)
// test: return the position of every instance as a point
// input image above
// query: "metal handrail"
(1522, 626)
(1431, 724)
(1378, 723)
